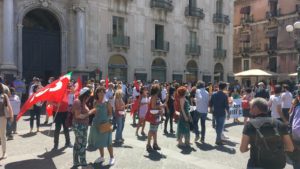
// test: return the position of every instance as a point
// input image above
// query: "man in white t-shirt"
(275, 105)
(164, 93)
(286, 101)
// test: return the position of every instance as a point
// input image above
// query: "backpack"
(270, 148)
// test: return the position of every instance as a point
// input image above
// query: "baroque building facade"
(260, 37)
(127, 39)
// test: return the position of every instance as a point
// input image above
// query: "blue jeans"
(120, 120)
(220, 121)
(202, 117)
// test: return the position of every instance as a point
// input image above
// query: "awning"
(255, 72)
(272, 33)
(245, 38)
(245, 10)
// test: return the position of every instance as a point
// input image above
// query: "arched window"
(159, 70)
(192, 71)
(117, 68)
(219, 72)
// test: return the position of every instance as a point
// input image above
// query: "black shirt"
(250, 131)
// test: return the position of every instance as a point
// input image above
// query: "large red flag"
(53, 92)
(78, 86)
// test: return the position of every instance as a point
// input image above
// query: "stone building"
(260, 37)
(181, 40)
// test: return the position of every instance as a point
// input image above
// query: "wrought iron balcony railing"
(194, 12)
(160, 46)
(194, 50)
(220, 53)
(163, 4)
(221, 18)
(118, 41)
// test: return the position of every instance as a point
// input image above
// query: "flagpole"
(54, 118)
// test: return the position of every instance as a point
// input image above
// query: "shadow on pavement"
(232, 124)
(205, 146)
(208, 147)
(230, 143)
(47, 133)
(170, 135)
(100, 166)
(28, 135)
(187, 150)
(32, 164)
(121, 145)
(52, 153)
(142, 138)
(155, 156)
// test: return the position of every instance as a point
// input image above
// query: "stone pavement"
(33, 151)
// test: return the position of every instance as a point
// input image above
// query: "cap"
(84, 90)
(155, 81)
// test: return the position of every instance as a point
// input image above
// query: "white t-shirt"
(15, 103)
(286, 99)
(274, 102)
(164, 94)
(135, 93)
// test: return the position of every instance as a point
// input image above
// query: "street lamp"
(295, 31)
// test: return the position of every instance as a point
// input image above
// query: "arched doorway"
(117, 68)
(218, 72)
(41, 43)
(192, 71)
(159, 70)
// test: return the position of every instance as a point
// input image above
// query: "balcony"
(162, 4)
(118, 41)
(220, 54)
(194, 12)
(245, 49)
(247, 19)
(194, 50)
(162, 46)
(220, 18)
(273, 14)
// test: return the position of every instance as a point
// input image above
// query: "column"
(8, 35)
(80, 37)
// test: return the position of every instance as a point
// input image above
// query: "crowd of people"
(271, 118)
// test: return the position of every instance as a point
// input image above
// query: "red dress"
(151, 118)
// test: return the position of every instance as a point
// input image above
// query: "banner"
(236, 111)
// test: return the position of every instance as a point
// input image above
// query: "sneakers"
(99, 160)
(143, 133)
(224, 137)
(112, 161)
(165, 132)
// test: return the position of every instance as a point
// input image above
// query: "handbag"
(105, 127)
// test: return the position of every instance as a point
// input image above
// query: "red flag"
(53, 92)
(49, 110)
(106, 82)
(135, 106)
(78, 86)
(136, 85)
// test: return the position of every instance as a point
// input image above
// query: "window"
(273, 8)
(246, 64)
(273, 43)
(159, 36)
(273, 64)
(192, 3)
(219, 42)
(193, 38)
(118, 26)
(219, 6)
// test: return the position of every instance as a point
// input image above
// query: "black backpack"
(270, 147)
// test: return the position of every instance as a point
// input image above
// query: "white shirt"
(286, 99)
(135, 93)
(164, 94)
(15, 103)
(202, 100)
(274, 102)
